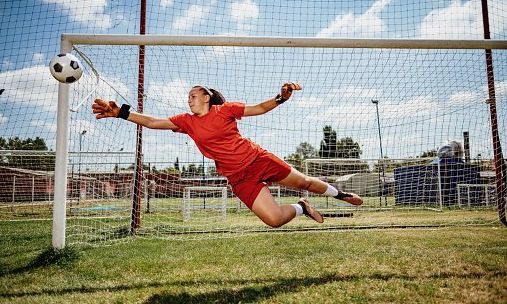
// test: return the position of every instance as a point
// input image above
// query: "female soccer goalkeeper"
(248, 167)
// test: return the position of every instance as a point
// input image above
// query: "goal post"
(291, 42)
(61, 160)
(329, 60)
(215, 198)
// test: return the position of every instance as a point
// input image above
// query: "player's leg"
(274, 215)
(298, 180)
(270, 212)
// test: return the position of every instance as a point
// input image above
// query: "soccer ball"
(65, 68)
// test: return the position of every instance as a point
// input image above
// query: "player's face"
(198, 101)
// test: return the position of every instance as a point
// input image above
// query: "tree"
(330, 147)
(30, 161)
(192, 171)
(212, 171)
(177, 164)
(348, 148)
(170, 170)
(132, 167)
(303, 151)
(430, 153)
(328, 144)
(16, 143)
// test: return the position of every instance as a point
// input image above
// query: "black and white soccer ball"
(66, 68)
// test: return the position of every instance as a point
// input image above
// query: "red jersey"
(217, 136)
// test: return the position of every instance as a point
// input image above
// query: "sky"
(426, 98)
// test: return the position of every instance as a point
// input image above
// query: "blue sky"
(338, 87)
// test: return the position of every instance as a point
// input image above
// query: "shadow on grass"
(242, 290)
(247, 294)
(116, 234)
(250, 294)
(48, 257)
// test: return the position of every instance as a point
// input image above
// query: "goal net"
(402, 123)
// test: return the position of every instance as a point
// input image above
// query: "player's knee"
(274, 220)
(275, 223)
(304, 183)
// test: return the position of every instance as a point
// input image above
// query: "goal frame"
(69, 40)
(186, 205)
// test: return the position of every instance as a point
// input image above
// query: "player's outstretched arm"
(109, 109)
(270, 104)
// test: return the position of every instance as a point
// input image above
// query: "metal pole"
(303, 42)
(33, 189)
(204, 181)
(79, 165)
(118, 163)
(147, 188)
(381, 186)
(466, 146)
(500, 167)
(138, 175)
(61, 160)
(13, 190)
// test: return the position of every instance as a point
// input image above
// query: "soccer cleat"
(309, 211)
(349, 197)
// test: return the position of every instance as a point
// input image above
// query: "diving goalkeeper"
(248, 167)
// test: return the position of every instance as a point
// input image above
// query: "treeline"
(30, 161)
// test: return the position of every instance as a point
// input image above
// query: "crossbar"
(304, 42)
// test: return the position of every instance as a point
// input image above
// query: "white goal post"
(469, 194)
(187, 206)
(69, 40)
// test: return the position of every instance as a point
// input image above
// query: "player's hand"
(104, 109)
(287, 89)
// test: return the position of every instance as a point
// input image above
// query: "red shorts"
(265, 169)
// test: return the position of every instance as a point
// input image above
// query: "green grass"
(448, 265)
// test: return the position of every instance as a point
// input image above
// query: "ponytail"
(216, 98)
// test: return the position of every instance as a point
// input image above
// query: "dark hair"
(216, 98)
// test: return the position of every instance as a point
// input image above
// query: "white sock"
(299, 209)
(331, 191)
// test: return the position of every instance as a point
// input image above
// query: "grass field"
(447, 265)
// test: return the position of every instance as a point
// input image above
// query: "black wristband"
(279, 99)
(124, 112)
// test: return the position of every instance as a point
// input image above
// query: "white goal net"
(373, 120)
(403, 102)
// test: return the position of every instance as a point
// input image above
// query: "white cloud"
(457, 21)
(174, 93)
(366, 25)
(461, 20)
(194, 15)
(501, 88)
(424, 105)
(243, 13)
(3, 119)
(7, 65)
(86, 11)
(166, 3)
(473, 97)
(244, 10)
(310, 102)
(465, 97)
(110, 90)
(218, 53)
(38, 58)
(353, 92)
(32, 86)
